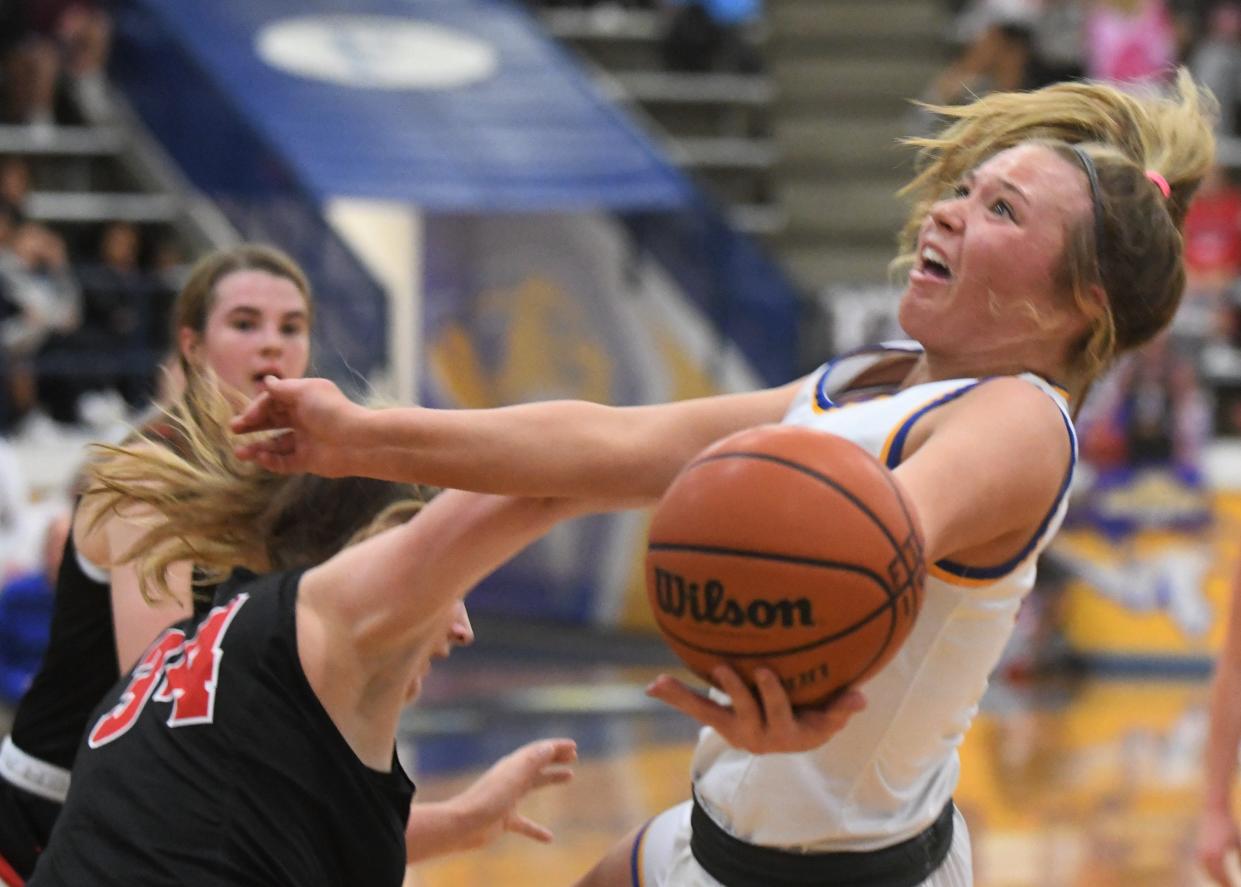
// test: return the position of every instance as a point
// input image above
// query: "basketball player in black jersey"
(257, 746)
(243, 313)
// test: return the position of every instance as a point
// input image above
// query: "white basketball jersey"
(890, 772)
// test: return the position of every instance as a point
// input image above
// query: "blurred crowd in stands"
(83, 305)
(697, 36)
(52, 51)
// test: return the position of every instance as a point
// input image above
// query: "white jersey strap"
(32, 775)
(838, 374)
(91, 570)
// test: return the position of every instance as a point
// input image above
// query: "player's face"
(985, 273)
(258, 325)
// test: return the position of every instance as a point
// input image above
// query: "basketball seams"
(693, 527)
(809, 472)
(795, 559)
(893, 595)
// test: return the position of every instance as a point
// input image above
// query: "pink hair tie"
(1160, 182)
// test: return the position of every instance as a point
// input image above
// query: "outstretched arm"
(382, 594)
(371, 618)
(488, 808)
(573, 449)
(1218, 835)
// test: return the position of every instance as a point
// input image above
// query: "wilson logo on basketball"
(708, 603)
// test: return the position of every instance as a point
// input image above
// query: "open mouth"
(933, 263)
(259, 377)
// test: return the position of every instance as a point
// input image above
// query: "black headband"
(1096, 201)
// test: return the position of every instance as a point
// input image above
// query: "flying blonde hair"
(201, 504)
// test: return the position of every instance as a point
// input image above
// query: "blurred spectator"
(47, 42)
(604, 6)
(34, 271)
(1130, 42)
(14, 180)
(108, 354)
(711, 36)
(1147, 412)
(1216, 61)
(1058, 44)
(1011, 44)
(80, 32)
(169, 270)
(587, 4)
(1212, 237)
(29, 68)
(1213, 234)
(996, 38)
(38, 298)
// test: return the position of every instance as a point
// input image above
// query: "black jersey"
(79, 666)
(214, 763)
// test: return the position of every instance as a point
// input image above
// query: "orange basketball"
(787, 548)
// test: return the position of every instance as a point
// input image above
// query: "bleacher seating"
(84, 175)
(804, 154)
(716, 124)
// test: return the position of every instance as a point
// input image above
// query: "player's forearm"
(559, 449)
(567, 449)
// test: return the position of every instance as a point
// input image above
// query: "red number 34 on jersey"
(173, 670)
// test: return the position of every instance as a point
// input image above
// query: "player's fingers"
(745, 706)
(777, 709)
(556, 776)
(669, 690)
(248, 450)
(276, 462)
(254, 416)
(844, 707)
(523, 826)
(561, 751)
(847, 705)
(815, 728)
(546, 755)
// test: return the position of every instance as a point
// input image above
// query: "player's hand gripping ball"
(787, 548)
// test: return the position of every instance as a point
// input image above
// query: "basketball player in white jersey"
(1044, 241)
